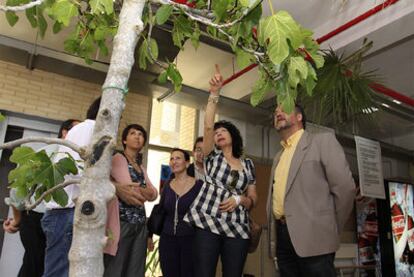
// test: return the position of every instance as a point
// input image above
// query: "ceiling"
(392, 55)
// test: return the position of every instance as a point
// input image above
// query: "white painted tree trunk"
(86, 257)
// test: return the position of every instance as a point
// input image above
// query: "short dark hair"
(237, 140)
(186, 155)
(199, 139)
(66, 125)
(93, 109)
(136, 127)
(299, 109)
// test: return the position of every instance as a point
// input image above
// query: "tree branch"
(51, 190)
(80, 150)
(205, 13)
(22, 7)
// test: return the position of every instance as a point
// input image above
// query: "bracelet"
(213, 98)
(237, 198)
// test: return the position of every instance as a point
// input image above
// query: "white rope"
(22, 7)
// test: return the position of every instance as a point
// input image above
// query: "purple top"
(173, 222)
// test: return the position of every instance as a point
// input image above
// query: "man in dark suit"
(311, 195)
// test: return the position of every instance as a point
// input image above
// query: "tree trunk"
(86, 257)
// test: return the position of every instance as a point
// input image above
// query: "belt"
(281, 220)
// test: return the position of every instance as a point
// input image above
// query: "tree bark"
(86, 256)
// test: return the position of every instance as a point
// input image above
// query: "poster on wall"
(370, 168)
(368, 236)
(402, 214)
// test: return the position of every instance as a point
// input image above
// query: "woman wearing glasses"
(220, 211)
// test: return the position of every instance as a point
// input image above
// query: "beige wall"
(49, 95)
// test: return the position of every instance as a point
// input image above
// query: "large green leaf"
(101, 6)
(60, 197)
(63, 11)
(261, 88)
(22, 155)
(50, 174)
(163, 13)
(243, 58)
(297, 70)
(275, 31)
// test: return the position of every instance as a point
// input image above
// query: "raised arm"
(216, 82)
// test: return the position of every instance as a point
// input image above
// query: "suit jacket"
(319, 195)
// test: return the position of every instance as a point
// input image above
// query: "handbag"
(156, 219)
(255, 234)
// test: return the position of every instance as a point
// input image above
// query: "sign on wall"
(371, 180)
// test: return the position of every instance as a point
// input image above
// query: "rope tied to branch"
(123, 90)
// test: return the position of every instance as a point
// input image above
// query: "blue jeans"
(57, 225)
(209, 246)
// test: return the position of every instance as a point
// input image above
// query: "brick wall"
(49, 95)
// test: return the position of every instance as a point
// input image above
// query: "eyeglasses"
(198, 149)
(234, 179)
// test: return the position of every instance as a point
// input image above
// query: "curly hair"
(237, 140)
(136, 127)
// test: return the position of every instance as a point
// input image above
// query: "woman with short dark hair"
(220, 211)
(133, 189)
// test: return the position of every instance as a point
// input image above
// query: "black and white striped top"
(220, 184)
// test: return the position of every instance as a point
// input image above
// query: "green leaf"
(297, 70)
(261, 88)
(243, 58)
(245, 3)
(31, 16)
(41, 21)
(100, 32)
(162, 78)
(102, 47)
(50, 174)
(57, 27)
(275, 31)
(60, 196)
(220, 8)
(22, 154)
(142, 55)
(310, 81)
(2, 117)
(12, 18)
(195, 38)
(153, 48)
(101, 6)
(63, 11)
(175, 77)
(163, 13)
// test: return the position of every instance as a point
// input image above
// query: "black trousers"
(34, 243)
(209, 246)
(291, 265)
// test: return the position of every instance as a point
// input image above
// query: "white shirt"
(80, 134)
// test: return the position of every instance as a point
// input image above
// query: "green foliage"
(36, 169)
(63, 11)
(101, 6)
(285, 48)
(2, 117)
(342, 92)
(163, 14)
